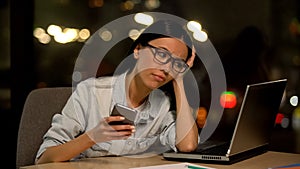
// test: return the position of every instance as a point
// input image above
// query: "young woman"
(162, 55)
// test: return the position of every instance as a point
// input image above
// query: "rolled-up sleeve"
(168, 135)
(69, 123)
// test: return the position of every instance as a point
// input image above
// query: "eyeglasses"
(162, 57)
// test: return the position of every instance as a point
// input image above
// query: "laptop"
(251, 132)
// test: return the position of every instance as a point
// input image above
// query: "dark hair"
(159, 29)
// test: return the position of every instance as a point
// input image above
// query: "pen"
(194, 167)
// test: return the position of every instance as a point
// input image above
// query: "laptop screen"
(257, 116)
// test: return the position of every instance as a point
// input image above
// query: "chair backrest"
(40, 105)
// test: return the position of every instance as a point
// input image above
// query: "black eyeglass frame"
(171, 58)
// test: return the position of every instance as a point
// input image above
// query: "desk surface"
(263, 161)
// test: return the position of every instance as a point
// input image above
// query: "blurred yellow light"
(134, 34)
(194, 26)
(296, 119)
(60, 38)
(54, 30)
(152, 4)
(297, 113)
(44, 39)
(71, 34)
(144, 19)
(128, 5)
(38, 32)
(105, 35)
(84, 34)
(200, 36)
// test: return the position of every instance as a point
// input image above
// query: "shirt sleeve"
(68, 124)
(168, 135)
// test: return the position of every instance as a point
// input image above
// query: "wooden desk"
(263, 161)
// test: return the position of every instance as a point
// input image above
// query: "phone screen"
(128, 113)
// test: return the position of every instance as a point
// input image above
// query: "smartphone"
(121, 110)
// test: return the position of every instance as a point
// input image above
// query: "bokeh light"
(294, 101)
(228, 99)
(143, 19)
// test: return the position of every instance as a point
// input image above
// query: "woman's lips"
(159, 78)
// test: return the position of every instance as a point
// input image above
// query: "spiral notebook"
(252, 131)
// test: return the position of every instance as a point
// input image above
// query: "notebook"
(252, 130)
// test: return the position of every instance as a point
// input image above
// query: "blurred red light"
(228, 99)
(279, 118)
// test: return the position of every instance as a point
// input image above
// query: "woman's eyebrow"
(161, 47)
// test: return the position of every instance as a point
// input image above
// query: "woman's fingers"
(114, 118)
(119, 128)
(106, 132)
(118, 132)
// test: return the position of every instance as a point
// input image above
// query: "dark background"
(26, 64)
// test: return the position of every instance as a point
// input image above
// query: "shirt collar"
(156, 97)
(119, 92)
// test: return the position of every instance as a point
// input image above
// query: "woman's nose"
(167, 67)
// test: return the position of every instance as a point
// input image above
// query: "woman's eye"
(162, 54)
(178, 64)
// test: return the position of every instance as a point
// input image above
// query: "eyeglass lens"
(163, 57)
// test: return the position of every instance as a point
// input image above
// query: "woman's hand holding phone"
(104, 131)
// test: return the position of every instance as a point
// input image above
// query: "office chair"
(40, 105)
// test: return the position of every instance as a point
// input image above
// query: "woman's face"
(152, 73)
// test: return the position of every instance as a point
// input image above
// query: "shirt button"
(144, 115)
(142, 145)
(129, 142)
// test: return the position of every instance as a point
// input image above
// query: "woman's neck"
(136, 92)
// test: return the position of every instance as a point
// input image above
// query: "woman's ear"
(136, 51)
